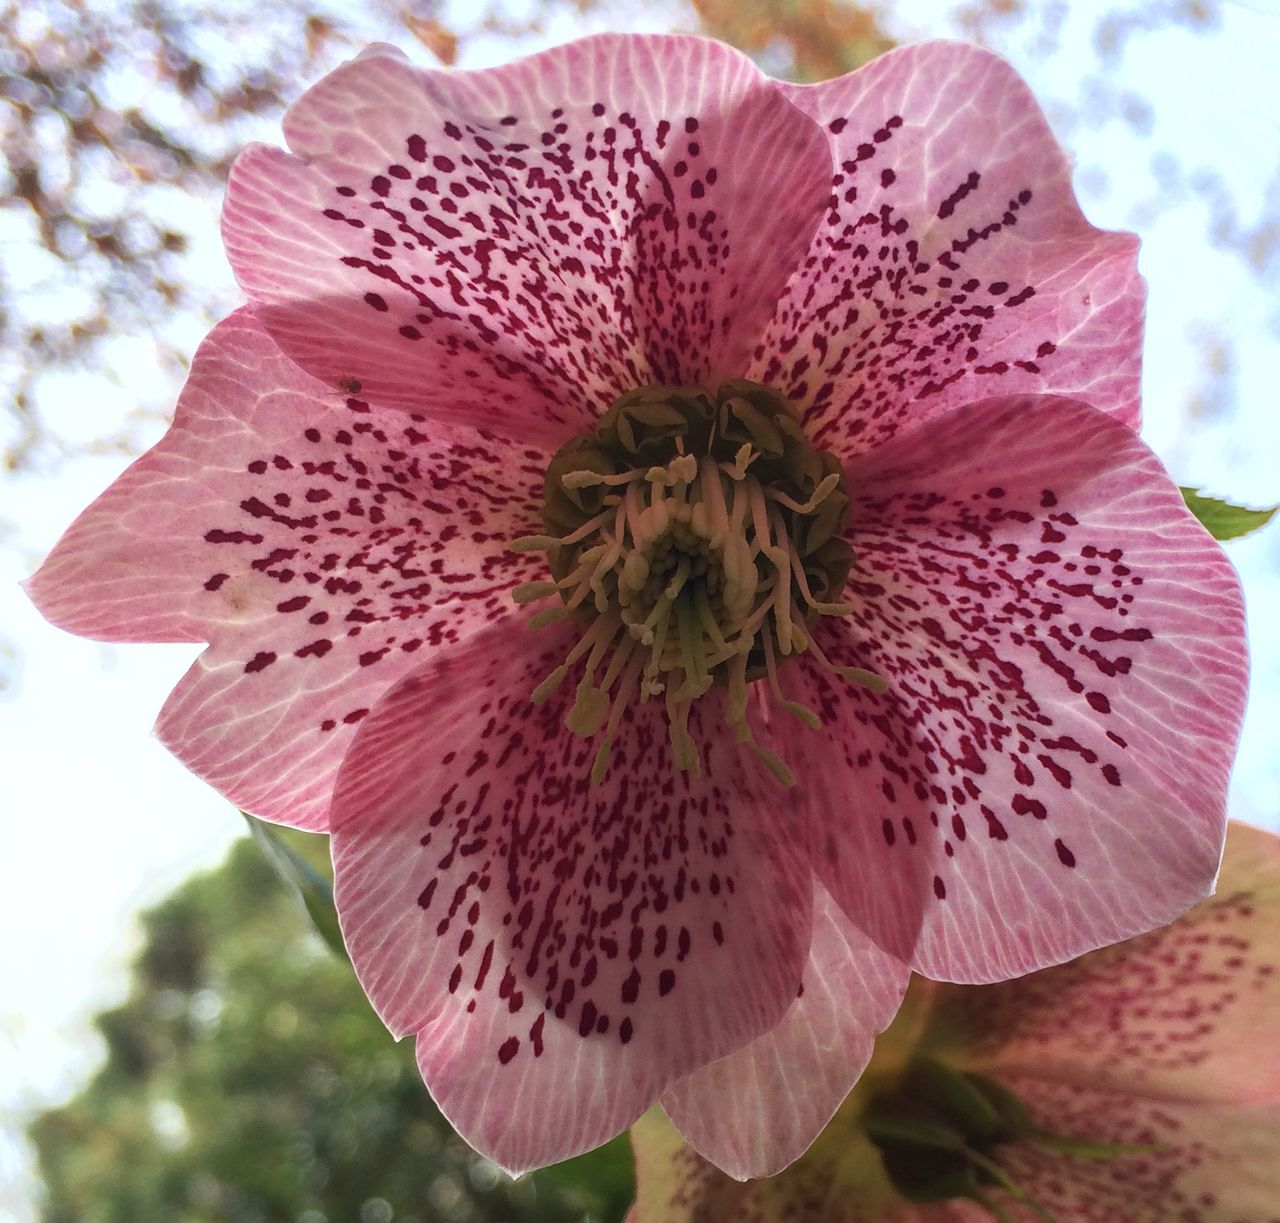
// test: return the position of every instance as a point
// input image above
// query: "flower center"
(698, 538)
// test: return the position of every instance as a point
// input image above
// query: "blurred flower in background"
(1139, 1083)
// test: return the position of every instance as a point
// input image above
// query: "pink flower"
(831, 484)
(1149, 1073)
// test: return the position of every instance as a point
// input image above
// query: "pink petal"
(1186, 1012)
(1063, 643)
(955, 263)
(754, 1112)
(521, 244)
(1207, 1163)
(563, 950)
(314, 543)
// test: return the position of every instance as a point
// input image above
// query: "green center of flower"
(697, 537)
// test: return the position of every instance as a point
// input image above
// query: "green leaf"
(1222, 519)
(313, 890)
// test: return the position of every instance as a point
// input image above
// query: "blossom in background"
(1137, 1084)
(801, 421)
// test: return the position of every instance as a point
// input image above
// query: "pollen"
(697, 538)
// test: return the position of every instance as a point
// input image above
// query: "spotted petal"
(315, 543)
(563, 951)
(755, 1111)
(1063, 645)
(954, 262)
(519, 245)
(1206, 1163)
(1186, 1012)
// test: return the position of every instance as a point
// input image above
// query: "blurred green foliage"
(247, 1080)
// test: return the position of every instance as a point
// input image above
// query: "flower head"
(1138, 1083)
(873, 636)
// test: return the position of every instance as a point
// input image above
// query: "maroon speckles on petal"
(1028, 689)
(949, 266)
(885, 323)
(948, 206)
(393, 528)
(1182, 1161)
(496, 259)
(612, 912)
(1021, 804)
(314, 649)
(1175, 1013)
(259, 662)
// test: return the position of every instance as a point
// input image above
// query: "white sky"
(101, 821)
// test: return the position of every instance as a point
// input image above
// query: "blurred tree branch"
(119, 118)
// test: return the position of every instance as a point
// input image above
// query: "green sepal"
(313, 891)
(1081, 1149)
(947, 1174)
(957, 1097)
(886, 1123)
(1222, 519)
(1014, 1118)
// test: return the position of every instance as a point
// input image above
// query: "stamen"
(696, 681)
(590, 479)
(682, 744)
(742, 460)
(706, 617)
(712, 485)
(868, 679)
(803, 712)
(626, 690)
(531, 592)
(543, 543)
(802, 581)
(820, 494)
(693, 565)
(548, 615)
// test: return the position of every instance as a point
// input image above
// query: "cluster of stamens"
(698, 538)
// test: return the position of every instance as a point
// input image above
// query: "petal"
(1186, 1012)
(754, 1112)
(563, 950)
(1207, 1163)
(1064, 650)
(839, 1181)
(519, 245)
(954, 263)
(314, 543)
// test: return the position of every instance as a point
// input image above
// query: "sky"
(100, 821)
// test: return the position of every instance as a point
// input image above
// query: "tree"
(246, 1079)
